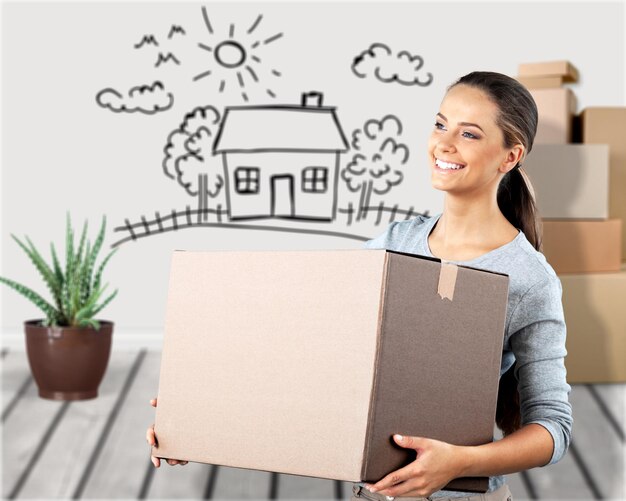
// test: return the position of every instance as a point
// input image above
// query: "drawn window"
(247, 180)
(315, 179)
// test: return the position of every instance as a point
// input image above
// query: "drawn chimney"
(308, 97)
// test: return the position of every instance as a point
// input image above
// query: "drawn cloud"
(148, 99)
(380, 62)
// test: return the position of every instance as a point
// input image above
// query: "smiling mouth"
(443, 165)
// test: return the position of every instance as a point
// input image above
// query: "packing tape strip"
(447, 280)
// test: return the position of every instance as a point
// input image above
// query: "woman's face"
(466, 148)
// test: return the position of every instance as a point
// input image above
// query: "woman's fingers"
(151, 439)
(173, 462)
(150, 436)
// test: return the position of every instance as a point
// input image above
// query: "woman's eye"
(439, 125)
(469, 135)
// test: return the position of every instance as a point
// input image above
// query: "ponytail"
(516, 200)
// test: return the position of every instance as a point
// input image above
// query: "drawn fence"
(187, 218)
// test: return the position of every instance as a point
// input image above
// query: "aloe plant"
(76, 289)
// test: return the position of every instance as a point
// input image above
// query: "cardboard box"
(571, 181)
(608, 126)
(557, 108)
(595, 316)
(563, 69)
(307, 362)
(550, 82)
(583, 246)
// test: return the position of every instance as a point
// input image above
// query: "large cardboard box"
(605, 125)
(583, 246)
(593, 304)
(307, 362)
(563, 69)
(556, 108)
(571, 181)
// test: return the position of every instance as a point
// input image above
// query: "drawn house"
(281, 161)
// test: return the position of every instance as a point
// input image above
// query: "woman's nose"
(445, 145)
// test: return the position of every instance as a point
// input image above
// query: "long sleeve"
(538, 343)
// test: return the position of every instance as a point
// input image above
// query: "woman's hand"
(151, 438)
(436, 464)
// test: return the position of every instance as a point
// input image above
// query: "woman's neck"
(463, 221)
(471, 227)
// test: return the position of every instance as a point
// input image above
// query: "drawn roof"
(280, 128)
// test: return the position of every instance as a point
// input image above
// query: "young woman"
(483, 131)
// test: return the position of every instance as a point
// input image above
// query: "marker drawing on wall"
(250, 163)
(376, 166)
(165, 56)
(169, 57)
(148, 99)
(282, 161)
(189, 157)
(147, 40)
(387, 67)
(176, 30)
(279, 162)
(234, 55)
(235, 59)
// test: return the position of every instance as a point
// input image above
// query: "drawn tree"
(376, 165)
(189, 155)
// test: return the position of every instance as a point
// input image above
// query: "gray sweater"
(534, 329)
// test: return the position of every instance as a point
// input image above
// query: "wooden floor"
(97, 449)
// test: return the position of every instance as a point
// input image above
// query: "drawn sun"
(236, 58)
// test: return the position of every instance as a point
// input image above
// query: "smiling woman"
(483, 131)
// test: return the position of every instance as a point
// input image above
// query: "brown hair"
(517, 118)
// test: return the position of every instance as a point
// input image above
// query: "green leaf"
(74, 295)
(90, 323)
(96, 249)
(44, 270)
(106, 301)
(69, 250)
(81, 246)
(97, 278)
(100, 238)
(65, 297)
(35, 298)
(86, 310)
(57, 266)
(85, 286)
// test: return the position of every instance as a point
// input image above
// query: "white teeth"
(447, 165)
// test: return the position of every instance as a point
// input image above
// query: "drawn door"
(283, 203)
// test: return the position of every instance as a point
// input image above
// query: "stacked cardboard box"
(578, 171)
(607, 125)
(556, 103)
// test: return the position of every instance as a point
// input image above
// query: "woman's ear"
(514, 156)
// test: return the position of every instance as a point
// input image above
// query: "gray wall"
(63, 152)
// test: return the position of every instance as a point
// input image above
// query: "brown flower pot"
(68, 363)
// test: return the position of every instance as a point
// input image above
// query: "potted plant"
(68, 350)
